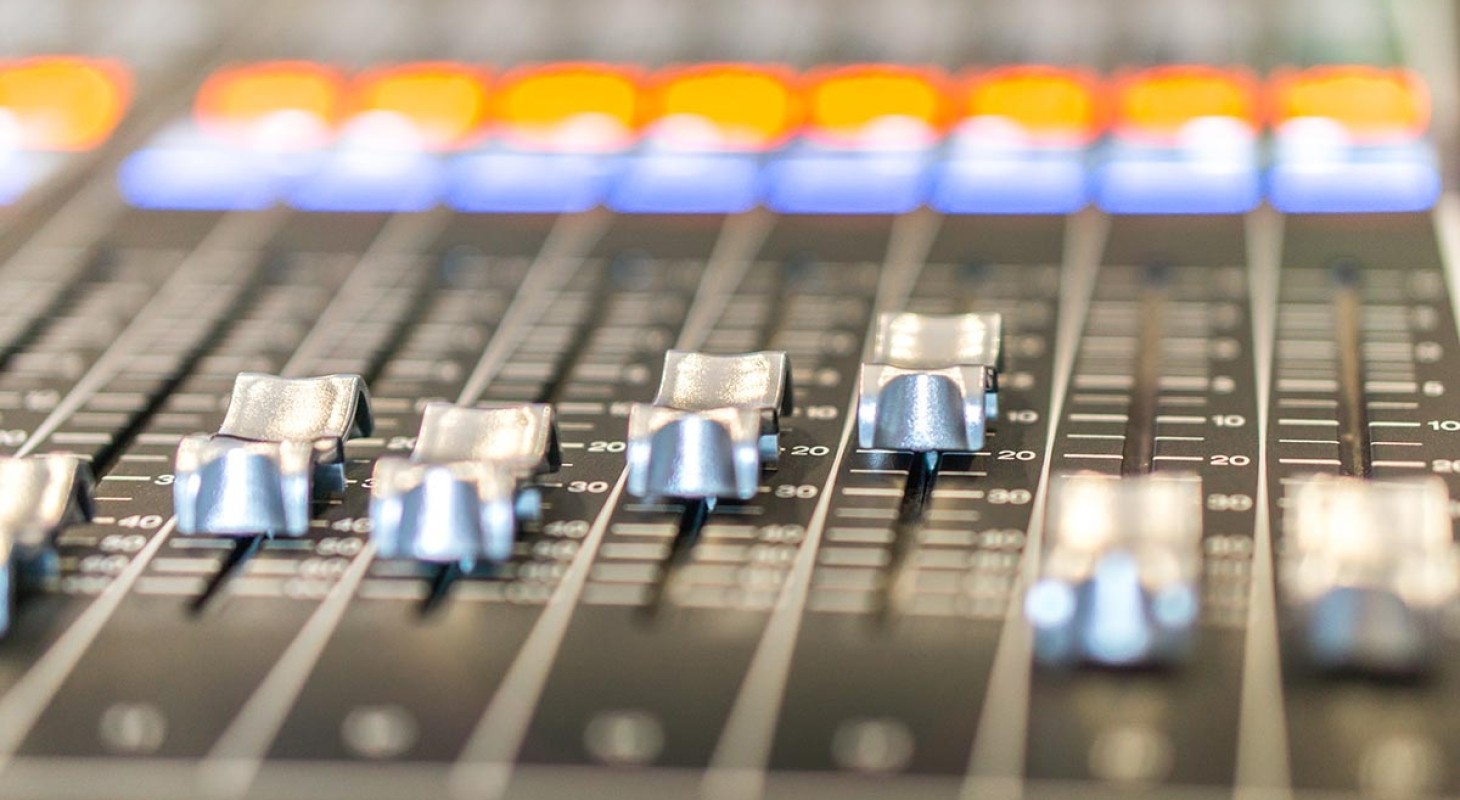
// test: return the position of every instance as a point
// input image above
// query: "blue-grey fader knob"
(712, 428)
(43, 494)
(466, 488)
(931, 383)
(281, 441)
(1119, 577)
(1368, 568)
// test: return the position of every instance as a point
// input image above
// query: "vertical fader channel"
(1364, 407)
(1162, 394)
(952, 574)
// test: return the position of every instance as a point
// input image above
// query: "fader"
(467, 487)
(280, 446)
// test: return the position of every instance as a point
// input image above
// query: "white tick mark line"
(996, 763)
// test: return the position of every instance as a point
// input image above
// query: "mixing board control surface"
(874, 406)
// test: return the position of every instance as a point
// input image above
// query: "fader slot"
(1392, 355)
(1138, 455)
(1355, 454)
(959, 569)
(1158, 424)
(715, 609)
(755, 312)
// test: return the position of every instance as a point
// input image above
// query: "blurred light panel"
(1351, 139)
(866, 145)
(257, 130)
(59, 103)
(277, 105)
(1018, 146)
(568, 107)
(556, 132)
(1370, 103)
(444, 104)
(1184, 141)
(704, 129)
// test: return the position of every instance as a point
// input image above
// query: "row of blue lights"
(1220, 176)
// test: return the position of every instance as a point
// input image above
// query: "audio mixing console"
(548, 399)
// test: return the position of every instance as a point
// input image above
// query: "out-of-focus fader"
(1118, 582)
(1368, 568)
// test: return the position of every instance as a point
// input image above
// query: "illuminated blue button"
(1360, 180)
(365, 180)
(1206, 175)
(687, 183)
(829, 182)
(1031, 182)
(199, 178)
(522, 182)
(1156, 186)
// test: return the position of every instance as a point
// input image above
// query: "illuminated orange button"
(62, 103)
(844, 102)
(243, 102)
(1048, 103)
(446, 103)
(1161, 101)
(571, 106)
(749, 106)
(1369, 101)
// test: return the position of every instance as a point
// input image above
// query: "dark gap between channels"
(917, 491)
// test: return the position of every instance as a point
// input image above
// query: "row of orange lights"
(64, 103)
(755, 106)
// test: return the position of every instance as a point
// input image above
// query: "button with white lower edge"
(1368, 568)
(1119, 578)
(931, 384)
(280, 445)
(43, 495)
(466, 489)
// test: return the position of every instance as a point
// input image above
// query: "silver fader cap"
(694, 454)
(465, 491)
(932, 382)
(1119, 579)
(1368, 567)
(43, 495)
(281, 440)
(758, 381)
